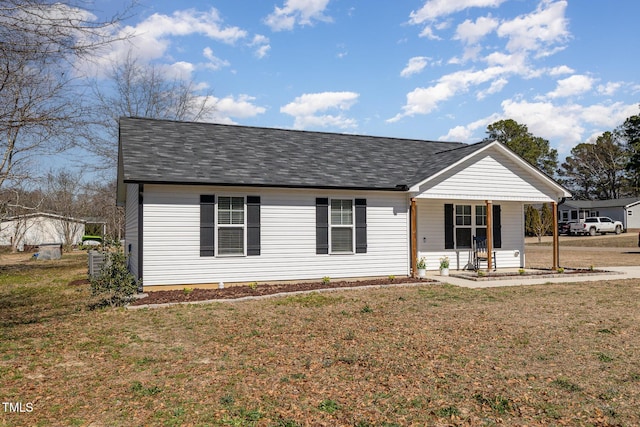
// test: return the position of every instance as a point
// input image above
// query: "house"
(625, 210)
(209, 203)
(38, 228)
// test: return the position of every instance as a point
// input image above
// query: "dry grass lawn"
(583, 252)
(430, 355)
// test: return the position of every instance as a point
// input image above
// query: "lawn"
(429, 355)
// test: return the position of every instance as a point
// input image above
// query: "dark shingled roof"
(162, 151)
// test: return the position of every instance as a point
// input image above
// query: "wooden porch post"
(556, 241)
(489, 234)
(414, 238)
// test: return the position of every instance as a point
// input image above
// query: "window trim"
(243, 225)
(352, 226)
(474, 226)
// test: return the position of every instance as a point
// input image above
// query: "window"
(341, 226)
(463, 226)
(469, 221)
(481, 221)
(231, 225)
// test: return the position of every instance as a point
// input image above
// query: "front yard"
(429, 355)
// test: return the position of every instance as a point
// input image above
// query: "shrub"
(114, 285)
(326, 280)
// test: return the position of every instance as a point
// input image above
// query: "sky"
(419, 69)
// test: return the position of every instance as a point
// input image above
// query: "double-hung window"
(463, 226)
(231, 225)
(470, 221)
(341, 226)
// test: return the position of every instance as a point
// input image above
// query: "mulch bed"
(234, 292)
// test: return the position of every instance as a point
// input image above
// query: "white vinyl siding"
(288, 237)
(431, 235)
(493, 176)
(131, 228)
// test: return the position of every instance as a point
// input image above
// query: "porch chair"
(480, 253)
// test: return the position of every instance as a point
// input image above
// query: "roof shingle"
(162, 151)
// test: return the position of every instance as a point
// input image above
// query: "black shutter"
(253, 225)
(361, 226)
(497, 227)
(207, 225)
(322, 226)
(448, 226)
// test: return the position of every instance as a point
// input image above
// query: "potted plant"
(444, 266)
(422, 267)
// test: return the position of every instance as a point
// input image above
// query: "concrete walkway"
(616, 273)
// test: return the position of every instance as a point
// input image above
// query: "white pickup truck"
(596, 224)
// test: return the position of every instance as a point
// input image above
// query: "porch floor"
(513, 277)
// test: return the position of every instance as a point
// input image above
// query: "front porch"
(446, 228)
(482, 195)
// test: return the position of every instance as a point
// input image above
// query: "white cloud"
(262, 45)
(214, 63)
(564, 125)
(458, 133)
(471, 32)
(574, 85)
(297, 12)
(434, 9)
(562, 69)
(151, 38)
(496, 86)
(428, 33)
(465, 133)
(609, 88)
(231, 107)
(425, 100)
(414, 66)
(306, 109)
(538, 31)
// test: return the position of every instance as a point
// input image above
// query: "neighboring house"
(37, 228)
(210, 203)
(626, 210)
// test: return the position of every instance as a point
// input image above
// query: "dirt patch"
(234, 292)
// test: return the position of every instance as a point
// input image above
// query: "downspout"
(140, 232)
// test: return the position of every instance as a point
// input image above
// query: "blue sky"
(424, 69)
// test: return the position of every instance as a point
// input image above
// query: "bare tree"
(101, 198)
(39, 111)
(134, 89)
(64, 198)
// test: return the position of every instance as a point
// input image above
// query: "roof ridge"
(357, 135)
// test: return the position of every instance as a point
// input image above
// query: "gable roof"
(162, 151)
(608, 203)
(171, 152)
